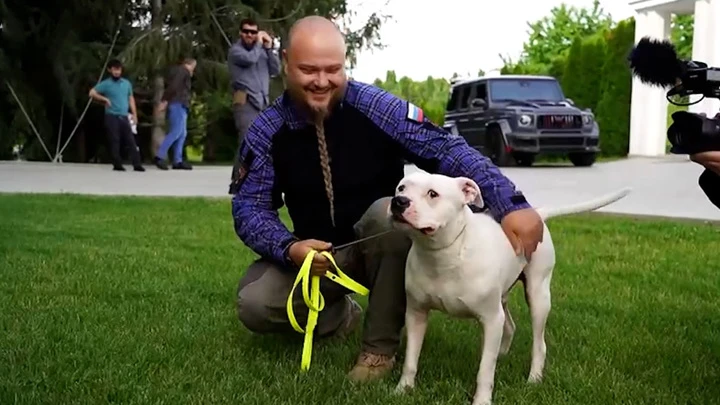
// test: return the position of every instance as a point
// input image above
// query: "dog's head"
(432, 205)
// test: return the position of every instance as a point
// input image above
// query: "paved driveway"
(664, 186)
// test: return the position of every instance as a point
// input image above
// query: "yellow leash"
(314, 300)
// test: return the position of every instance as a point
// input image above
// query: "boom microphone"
(655, 62)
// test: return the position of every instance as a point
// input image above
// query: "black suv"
(513, 118)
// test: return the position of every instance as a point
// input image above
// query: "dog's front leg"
(493, 322)
(416, 319)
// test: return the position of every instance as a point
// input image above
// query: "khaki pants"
(243, 114)
(378, 264)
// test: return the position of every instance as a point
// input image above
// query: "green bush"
(572, 79)
(613, 110)
(430, 95)
(557, 68)
(582, 77)
(594, 56)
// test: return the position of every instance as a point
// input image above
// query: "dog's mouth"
(428, 230)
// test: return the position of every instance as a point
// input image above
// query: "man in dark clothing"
(336, 149)
(176, 99)
(117, 94)
(252, 61)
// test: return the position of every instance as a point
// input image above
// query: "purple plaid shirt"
(255, 205)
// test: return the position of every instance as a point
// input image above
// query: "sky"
(461, 36)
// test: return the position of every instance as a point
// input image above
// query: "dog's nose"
(399, 204)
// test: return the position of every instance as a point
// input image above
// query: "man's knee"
(376, 220)
(254, 297)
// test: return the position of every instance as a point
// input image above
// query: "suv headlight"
(525, 120)
(587, 119)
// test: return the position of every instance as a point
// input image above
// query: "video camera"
(656, 63)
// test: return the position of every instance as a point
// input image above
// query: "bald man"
(336, 149)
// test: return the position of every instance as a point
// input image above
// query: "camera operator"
(656, 62)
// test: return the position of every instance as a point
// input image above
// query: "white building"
(648, 111)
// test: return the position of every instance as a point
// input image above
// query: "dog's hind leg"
(537, 295)
(508, 328)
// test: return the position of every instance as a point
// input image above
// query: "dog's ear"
(471, 191)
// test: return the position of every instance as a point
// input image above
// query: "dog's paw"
(404, 386)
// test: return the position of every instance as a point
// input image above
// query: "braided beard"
(319, 116)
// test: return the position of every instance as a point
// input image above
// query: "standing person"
(252, 61)
(176, 99)
(116, 93)
(336, 149)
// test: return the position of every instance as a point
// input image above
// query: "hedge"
(613, 109)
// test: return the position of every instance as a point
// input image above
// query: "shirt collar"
(294, 118)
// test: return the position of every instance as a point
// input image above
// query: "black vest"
(366, 164)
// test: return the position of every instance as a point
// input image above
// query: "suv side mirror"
(570, 101)
(478, 103)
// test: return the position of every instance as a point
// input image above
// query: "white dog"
(463, 264)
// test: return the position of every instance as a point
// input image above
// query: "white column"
(705, 48)
(648, 108)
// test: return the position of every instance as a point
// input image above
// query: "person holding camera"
(252, 62)
(655, 62)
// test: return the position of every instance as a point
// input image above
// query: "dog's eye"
(401, 188)
(432, 193)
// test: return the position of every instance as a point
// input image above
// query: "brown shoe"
(371, 366)
(352, 321)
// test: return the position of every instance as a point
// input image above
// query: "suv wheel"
(583, 159)
(524, 159)
(499, 155)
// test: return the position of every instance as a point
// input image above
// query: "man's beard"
(320, 113)
(315, 112)
(116, 78)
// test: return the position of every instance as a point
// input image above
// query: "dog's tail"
(592, 205)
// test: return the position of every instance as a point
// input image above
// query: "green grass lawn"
(130, 300)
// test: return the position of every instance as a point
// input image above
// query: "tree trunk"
(158, 131)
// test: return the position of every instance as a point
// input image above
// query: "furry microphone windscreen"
(655, 62)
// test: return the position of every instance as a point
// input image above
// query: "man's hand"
(265, 39)
(709, 160)
(299, 250)
(524, 229)
(106, 101)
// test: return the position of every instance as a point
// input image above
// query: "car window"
(481, 91)
(453, 100)
(525, 90)
(464, 95)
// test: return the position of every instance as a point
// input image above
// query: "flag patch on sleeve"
(414, 113)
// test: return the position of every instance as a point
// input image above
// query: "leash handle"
(314, 299)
